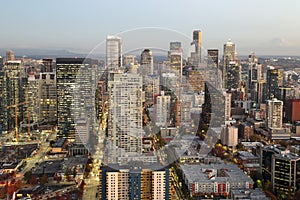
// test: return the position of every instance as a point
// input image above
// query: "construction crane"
(16, 106)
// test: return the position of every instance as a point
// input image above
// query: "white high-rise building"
(162, 109)
(125, 115)
(113, 52)
(274, 113)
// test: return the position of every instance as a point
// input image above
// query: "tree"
(27, 176)
(257, 178)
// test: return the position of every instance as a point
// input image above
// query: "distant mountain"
(41, 53)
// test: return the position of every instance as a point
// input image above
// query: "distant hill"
(41, 53)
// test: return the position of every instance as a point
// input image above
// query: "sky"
(267, 27)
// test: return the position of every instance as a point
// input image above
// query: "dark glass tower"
(66, 79)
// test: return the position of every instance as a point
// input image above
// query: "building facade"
(113, 52)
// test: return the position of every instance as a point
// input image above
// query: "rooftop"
(214, 172)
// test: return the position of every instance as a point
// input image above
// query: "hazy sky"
(263, 26)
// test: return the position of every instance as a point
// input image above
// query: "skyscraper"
(255, 79)
(175, 46)
(285, 174)
(129, 60)
(229, 55)
(197, 41)
(273, 84)
(274, 113)
(47, 65)
(213, 58)
(15, 73)
(31, 95)
(113, 52)
(47, 97)
(151, 88)
(66, 72)
(146, 62)
(232, 75)
(162, 110)
(82, 131)
(175, 59)
(125, 115)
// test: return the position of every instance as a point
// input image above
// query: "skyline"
(267, 28)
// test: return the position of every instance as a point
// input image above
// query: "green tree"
(27, 176)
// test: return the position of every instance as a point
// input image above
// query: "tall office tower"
(265, 154)
(232, 75)
(274, 113)
(138, 182)
(252, 58)
(175, 57)
(84, 94)
(213, 109)
(273, 84)
(47, 98)
(125, 115)
(82, 131)
(10, 56)
(162, 110)
(31, 114)
(197, 41)
(66, 82)
(229, 55)
(285, 174)
(146, 67)
(129, 60)
(113, 52)
(3, 103)
(175, 46)
(213, 58)
(14, 72)
(255, 79)
(186, 106)
(196, 80)
(151, 88)
(280, 167)
(255, 82)
(47, 65)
